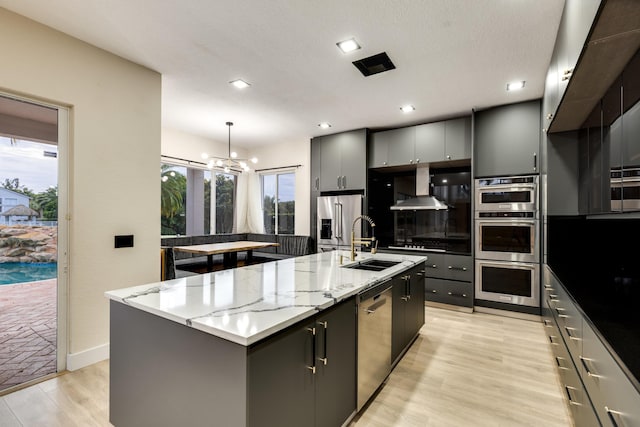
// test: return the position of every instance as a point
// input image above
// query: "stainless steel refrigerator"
(335, 220)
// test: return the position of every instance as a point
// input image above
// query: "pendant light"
(232, 162)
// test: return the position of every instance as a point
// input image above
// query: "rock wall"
(28, 243)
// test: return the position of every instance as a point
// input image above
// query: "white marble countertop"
(247, 304)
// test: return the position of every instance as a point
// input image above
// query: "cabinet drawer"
(569, 320)
(449, 292)
(616, 400)
(452, 267)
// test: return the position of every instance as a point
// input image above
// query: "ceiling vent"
(374, 64)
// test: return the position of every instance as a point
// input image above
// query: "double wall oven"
(507, 243)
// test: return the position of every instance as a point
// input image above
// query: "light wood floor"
(463, 370)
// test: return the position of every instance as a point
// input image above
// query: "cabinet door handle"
(571, 400)
(615, 417)
(324, 343)
(312, 368)
(433, 291)
(588, 367)
(344, 182)
(457, 295)
(338, 181)
(560, 364)
(453, 267)
(432, 266)
(570, 335)
(535, 162)
(448, 157)
(317, 183)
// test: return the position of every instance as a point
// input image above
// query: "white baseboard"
(87, 357)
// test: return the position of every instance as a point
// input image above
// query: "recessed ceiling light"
(347, 46)
(515, 85)
(407, 108)
(239, 83)
(324, 125)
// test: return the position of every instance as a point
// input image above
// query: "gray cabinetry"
(401, 146)
(598, 391)
(575, 394)
(614, 398)
(306, 375)
(422, 144)
(575, 24)
(315, 187)
(449, 279)
(457, 139)
(430, 143)
(407, 311)
(507, 140)
(343, 163)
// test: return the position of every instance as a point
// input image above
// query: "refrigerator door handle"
(336, 220)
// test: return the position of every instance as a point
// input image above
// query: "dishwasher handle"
(376, 305)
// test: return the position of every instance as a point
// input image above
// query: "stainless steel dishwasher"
(374, 339)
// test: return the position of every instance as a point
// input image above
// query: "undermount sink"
(373, 264)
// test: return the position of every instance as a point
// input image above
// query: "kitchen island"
(236, 347)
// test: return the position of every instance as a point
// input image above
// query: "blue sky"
(25, 160)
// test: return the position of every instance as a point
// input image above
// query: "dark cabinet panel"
(307, 374)
(407, 310)
(343, 164)
(507, 140)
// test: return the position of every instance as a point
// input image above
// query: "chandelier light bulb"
(234, 154)
(219, 163)
(165, 178)
(204, 156)
(226, 169)
(254, 160)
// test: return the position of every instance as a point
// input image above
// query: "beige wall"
(288, 154)
(114, 156)
(190, 147)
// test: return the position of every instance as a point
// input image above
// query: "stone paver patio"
(27, 332)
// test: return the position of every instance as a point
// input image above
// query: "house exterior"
(10, 199)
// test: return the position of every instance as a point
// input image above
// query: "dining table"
(229, 251)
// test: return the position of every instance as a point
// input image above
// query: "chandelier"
(232, 162)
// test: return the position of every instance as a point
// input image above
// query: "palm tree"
(172, 191)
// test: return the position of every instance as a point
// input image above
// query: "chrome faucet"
(366, 241)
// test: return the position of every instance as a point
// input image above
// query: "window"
(278, 202)
(196, 201)
(173, 197)
(225, 197)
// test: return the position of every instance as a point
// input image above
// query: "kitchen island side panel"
(166, 374)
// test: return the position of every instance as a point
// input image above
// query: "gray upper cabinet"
(507, 140)
(576, 21)
(401, 146)
(457, 139)
(343, 164)
(422, 144)
(429, 143)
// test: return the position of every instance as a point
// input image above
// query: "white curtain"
(249, 217)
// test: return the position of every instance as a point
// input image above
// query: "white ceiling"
(451, 56)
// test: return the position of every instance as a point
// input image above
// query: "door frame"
(62, 285)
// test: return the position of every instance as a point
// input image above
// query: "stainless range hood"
(423, 200)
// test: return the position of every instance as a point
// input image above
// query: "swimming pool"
(19, 272)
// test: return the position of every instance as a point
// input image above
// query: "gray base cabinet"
(166, 374)
(597, 390)
(306, 376)
(507, 140)
(449, 279)
(408, 310)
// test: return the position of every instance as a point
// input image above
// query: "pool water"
(19, 272)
